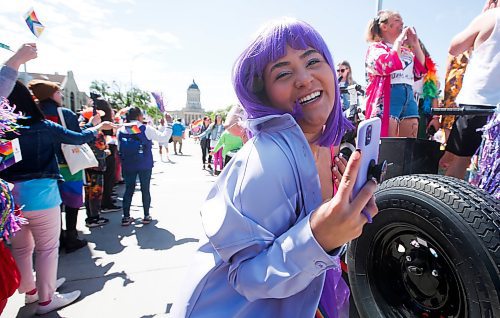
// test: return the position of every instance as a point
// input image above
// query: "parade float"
(434, 248)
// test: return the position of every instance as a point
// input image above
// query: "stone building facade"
(193, 109)
(73, 98)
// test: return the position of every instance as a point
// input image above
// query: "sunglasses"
(342, 70)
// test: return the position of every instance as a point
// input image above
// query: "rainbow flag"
(133, 129)
(196, 125)
(10, 153)
(35, 26)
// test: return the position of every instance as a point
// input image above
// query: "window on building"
(72, 101)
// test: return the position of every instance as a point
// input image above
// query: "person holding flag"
(134, 146)
(9, 73)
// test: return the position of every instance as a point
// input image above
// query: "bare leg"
(458, 167)
(446, 160)
(393, 127)
(446, 134)
(408, 127)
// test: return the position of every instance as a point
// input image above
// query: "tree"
(119, 98)
(100, 87)
(154, 112)
(222, 111)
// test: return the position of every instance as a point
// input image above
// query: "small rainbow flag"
(196, 125)
(10, 153)
(32, 21)
(134, 129)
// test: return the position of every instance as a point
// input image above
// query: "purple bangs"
(270, 45)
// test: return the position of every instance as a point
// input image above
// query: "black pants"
(71, 218)
(109, 177)
(205, 149)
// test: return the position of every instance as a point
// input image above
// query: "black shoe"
(127, 220)
(90, 223)
(209, 167)
(110, 208)
(72, 245)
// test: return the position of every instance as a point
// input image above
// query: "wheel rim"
(414, 275)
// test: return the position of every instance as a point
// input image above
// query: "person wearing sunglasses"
(344, 75)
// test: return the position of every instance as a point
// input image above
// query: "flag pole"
(378, 6)
(7, 47)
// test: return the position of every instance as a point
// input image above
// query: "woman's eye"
(313, 61)
(281, 75)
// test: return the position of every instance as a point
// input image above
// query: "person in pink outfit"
(393, 62)
(35, 181)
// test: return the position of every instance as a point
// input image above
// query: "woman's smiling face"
(302, 76)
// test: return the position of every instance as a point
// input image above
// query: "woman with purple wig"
(275, 232)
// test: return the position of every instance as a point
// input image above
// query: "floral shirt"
(99, 146)
(381, 60)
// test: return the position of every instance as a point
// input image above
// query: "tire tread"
(476, 207)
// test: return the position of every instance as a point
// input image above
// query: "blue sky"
(164, 45)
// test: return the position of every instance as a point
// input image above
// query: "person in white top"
(480, 85)
(161, 128)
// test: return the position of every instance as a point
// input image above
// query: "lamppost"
(132, 67)
(378, 6)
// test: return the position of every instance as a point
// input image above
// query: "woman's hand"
(338, 168)
(411, 37)
(106, 125)
(400, 40)
(96, 119)
(340, 220)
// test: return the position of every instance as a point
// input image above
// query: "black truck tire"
(432, 251)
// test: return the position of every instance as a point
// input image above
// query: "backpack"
(135, 149)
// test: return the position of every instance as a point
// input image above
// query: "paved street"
(135, 271)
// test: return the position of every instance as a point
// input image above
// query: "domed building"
(193, 109)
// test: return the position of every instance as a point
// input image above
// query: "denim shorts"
(403, 104)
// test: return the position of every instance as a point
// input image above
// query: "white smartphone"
(368, 141)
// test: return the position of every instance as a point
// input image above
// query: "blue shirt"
(37, 194)
(178, 129)
(260, 258)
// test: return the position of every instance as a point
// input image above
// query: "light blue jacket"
(260, 259)
(8, 78)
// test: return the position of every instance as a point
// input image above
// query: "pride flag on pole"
(159, 101)
(35, 26)
(196, 125)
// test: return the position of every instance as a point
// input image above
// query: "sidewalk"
(135, 271)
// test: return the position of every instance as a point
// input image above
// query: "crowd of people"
(275, 255)
(44, 185)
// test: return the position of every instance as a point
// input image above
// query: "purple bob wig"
(270, 45)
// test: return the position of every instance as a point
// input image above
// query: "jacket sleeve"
(8, 78)
(250, 217)
(62, 135)
(71, 120)
(153, 134)
(381, 60)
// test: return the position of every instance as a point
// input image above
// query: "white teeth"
(309, 97)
